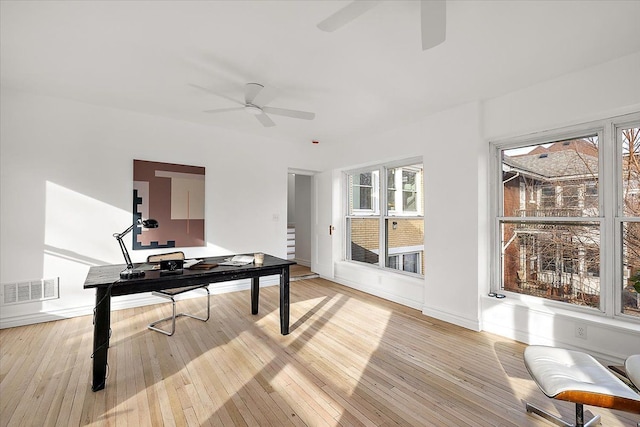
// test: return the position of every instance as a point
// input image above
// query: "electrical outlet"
(581, 331)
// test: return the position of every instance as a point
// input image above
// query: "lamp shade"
(150, 223)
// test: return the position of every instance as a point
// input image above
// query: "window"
(557, 236)
(629, 217)
(548, 196)
(406, 262)
(393, 237)
(363, 191)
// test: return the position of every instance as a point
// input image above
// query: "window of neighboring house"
(548, 196)
(591, 196)
(391, 238)
(570, 197)
(564, 254)
(410, 262)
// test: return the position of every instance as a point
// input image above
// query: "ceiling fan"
(253, 106)
(433, 18)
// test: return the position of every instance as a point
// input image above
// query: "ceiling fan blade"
(216, 94)
(265, 120)
(347, 14)
(289, 113)
(433, 17)
(223, 110)
(251, 90)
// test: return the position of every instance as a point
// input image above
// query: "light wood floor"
(350, 359)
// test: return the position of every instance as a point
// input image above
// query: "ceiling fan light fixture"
(253, 109)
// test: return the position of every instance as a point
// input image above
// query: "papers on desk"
(238, 260)
(188, 263)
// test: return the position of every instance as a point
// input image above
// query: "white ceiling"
(368, 76)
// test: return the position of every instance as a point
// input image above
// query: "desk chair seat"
(579, 378)
(170, 294)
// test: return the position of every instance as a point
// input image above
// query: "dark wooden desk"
(107, 283)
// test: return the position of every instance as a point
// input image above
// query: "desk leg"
(101, 337)
(284, 301)
(255, 294)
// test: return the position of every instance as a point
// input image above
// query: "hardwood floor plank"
(351, 359)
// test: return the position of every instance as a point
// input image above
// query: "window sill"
(385, 270)
(544, 307)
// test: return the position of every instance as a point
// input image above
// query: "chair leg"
(173, 317)
(547, 416)
(152, 326)
(204, 319)
(560, 422)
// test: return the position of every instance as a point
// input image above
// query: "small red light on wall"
(314, 142)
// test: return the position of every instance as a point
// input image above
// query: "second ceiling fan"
(433, 19)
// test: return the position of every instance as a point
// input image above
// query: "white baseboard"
(127, 301)
(474, 325)
(377, 292)
(304, 262)
(33, 318)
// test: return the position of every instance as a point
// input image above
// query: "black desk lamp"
(130, 273)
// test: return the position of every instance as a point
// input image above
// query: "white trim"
(406, 250)
(541, 310)
(305, 262)
(445, 316)
(129, 301)
(609, 171)
(378, 292)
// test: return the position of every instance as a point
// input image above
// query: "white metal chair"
(171, 294)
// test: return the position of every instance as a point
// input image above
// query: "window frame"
(382, 213)
(610, 214)
(375, 188)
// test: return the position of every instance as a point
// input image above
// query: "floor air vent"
(35, 290)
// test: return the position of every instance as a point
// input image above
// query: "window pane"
(404, 190)
(631, 230)
(631, 272)
(631, 171)
(551, 180)
(362, 200)
(410, 263)
(391, 189)
(364, 239)
(557, 261)
(393, 262)
(570, 196)
(405, 237)
(363, 197)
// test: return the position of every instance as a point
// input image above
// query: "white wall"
(455, 147)
(67, 167)
(449, 143)
(603, 91)
(67, 182)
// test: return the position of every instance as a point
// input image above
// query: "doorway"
(299, 222)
